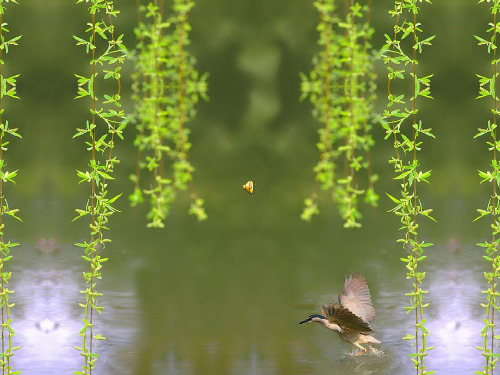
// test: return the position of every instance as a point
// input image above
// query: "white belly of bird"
(358, 338)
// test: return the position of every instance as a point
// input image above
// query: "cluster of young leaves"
(403, 127)
(488, 89)
(167, 88)
(105, 124)
(341, 87)
(7, 89)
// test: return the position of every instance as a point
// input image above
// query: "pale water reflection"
(456, 319)
(48, 319)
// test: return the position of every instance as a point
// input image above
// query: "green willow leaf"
(167, 88)
(404, 130)
(99, 131)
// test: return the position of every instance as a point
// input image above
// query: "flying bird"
(351, 317)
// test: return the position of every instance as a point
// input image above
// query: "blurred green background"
(225, 296)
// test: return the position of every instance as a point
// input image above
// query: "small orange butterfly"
(248, 187)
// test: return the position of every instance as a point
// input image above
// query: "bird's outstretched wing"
(356, 297)
(345, 319)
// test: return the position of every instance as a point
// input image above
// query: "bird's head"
(313, 318)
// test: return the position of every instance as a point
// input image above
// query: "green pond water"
(225, 296)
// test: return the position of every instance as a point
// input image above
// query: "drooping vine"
(341, 87)
(488, 89)
(166, 89)
(404, 128)
(105, 124)
(7, 89)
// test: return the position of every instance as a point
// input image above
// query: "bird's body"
(352, 315)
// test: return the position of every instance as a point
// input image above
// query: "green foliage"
(341, 87)
(167, 88)
(403, 127)
(106, 123)
(7, 89)
(488, 89)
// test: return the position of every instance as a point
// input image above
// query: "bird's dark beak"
(305, 320)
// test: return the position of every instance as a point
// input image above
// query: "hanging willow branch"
(8, 89)
(341, 88)
(166, 89)
(107, 121)
(488, 89)
(403, 127)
